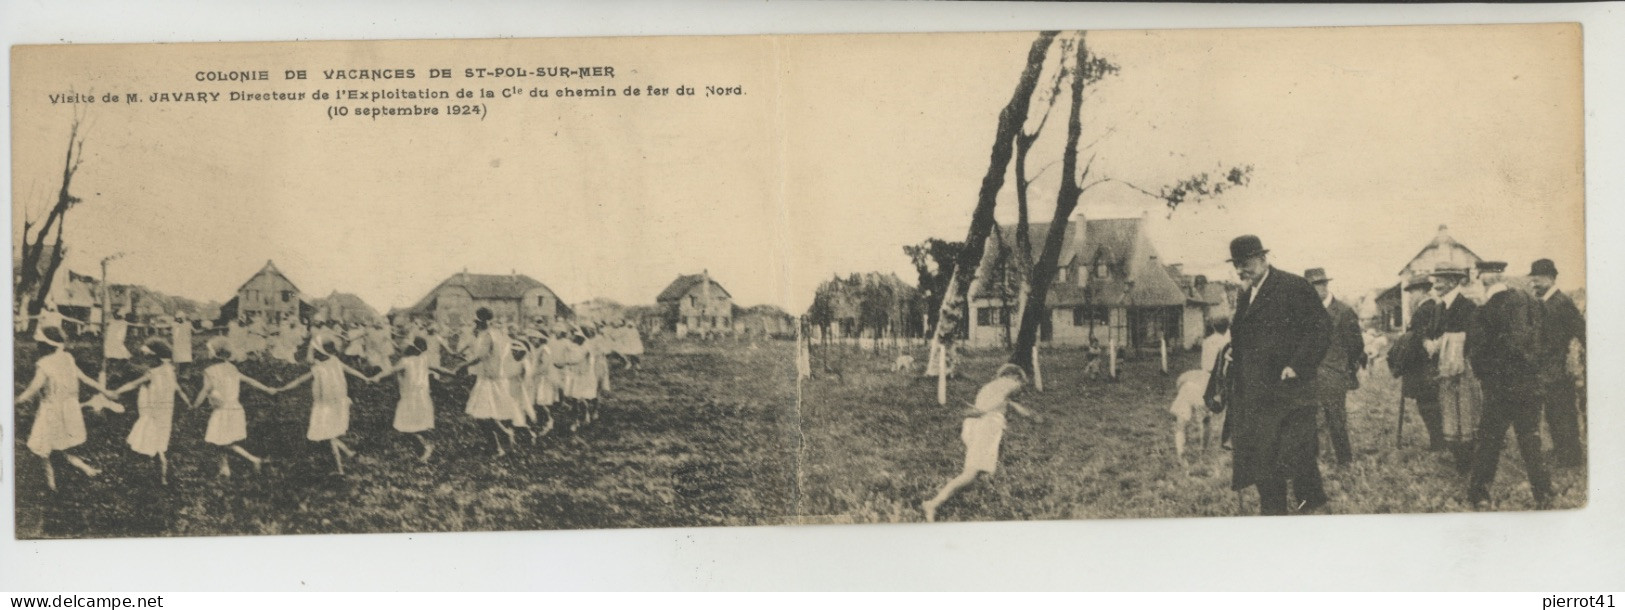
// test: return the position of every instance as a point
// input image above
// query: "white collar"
(1492, 290)
(1548, 296)
(1328, 302)
(1449, 298)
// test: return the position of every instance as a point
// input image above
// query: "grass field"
(877, 444)
(702, 435)
(708, 434)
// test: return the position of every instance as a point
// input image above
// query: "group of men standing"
(1474, 370)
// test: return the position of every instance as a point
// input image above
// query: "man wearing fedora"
(1345, 354)
(1419, 377)
(1502, 344)
(1459, 396)
(1561, 326)
(1278, 339)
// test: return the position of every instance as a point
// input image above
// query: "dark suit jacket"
(1504, 337)
(1457, 318)
(1419, 382)
(1560, 323)
(1282, 325)
(1345, 351)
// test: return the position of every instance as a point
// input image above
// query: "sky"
(842, 150)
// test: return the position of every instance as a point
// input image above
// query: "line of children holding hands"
(510, 385)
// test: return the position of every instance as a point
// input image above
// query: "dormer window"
(1101, 271)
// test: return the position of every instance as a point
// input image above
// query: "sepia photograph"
(288, 288)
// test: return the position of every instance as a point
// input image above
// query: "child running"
(228, 424)
(59, 425)
(982, 431)
(330, 402)
(414, 413)
(156, 404)
(546, 379)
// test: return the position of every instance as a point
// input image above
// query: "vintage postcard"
(475, 285)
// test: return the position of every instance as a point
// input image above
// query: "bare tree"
(41, 258)
(1087, 70)
(1011, 119)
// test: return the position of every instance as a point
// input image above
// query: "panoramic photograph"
(482, 285)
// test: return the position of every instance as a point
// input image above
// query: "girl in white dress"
(521, 372)
(228, 424)
(180, 336)
(545, 379)
(414, 413)
(59, 425)
(489, 402)
(571, 358)
(156, 404)
(330, 402)
(982, 431)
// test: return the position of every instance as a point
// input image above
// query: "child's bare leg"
(163, 468)
(50, 472)
(948, 490)
(225, 465)
(84, 467)
(1179, 440)
(252, 459)
(348, 452)
(428, 447)
(338, 458)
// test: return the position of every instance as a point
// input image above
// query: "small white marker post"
(942, 372)
(1113, 357)
(1038, 372)
(1162, 344)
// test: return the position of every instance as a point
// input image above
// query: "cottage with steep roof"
(269, 296)
(514, 297)
(696, 304)
(1109, 284)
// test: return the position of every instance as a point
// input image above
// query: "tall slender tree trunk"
(1010, 122)
(1065, 202)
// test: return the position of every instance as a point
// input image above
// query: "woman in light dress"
(330, 402)
(228, 423)
(490, 402)
(156, 404)
(59, 424)
(414, 412)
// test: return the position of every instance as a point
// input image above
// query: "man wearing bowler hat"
(1459, 393)
(1561, 327)
(1345, 354)
(1278, 339)
(1501, 345)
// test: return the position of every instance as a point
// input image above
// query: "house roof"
(1441, 241)
(347, 303)
(483, 286)
(1135, 277)
(680, 286)
(269, 268)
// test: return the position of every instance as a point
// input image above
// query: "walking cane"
(1399, 439)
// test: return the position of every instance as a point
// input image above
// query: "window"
(1085, 316)
(991, 316)
(287, 295)
(693, 301)
(541, 300)
(1101, 271)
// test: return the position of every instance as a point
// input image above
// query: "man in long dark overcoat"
(1278, 340)
(1502, 343)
